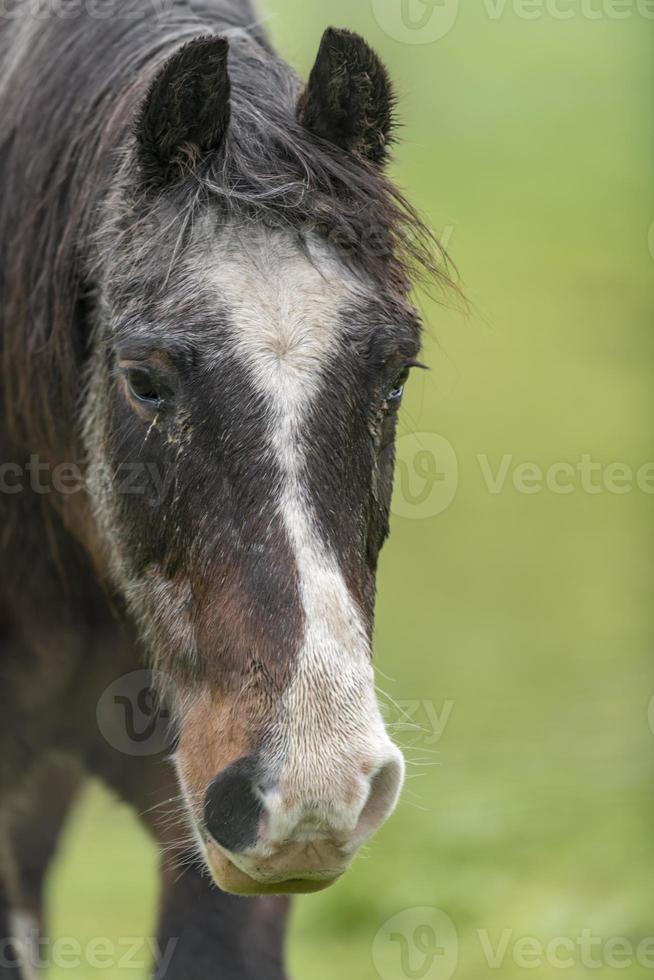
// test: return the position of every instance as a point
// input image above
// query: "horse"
(206, 328)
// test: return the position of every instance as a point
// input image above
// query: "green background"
(527, 142)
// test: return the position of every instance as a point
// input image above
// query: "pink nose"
(272, 837)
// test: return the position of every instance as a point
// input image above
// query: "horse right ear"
(186, 113)
(349, 99)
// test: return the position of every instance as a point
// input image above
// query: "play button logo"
(416, 21)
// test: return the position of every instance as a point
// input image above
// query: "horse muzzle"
(264, 836)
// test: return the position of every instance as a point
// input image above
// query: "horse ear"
(349, 100)
(186, 112)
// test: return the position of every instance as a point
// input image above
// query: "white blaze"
(284, 309)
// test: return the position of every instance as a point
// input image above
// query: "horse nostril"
(385, 788)
(232, 809)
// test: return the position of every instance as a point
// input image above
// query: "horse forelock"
(73, 213)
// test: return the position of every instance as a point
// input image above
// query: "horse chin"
(231, 879)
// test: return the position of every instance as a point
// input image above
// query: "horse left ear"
(186, 113)
(349, 100)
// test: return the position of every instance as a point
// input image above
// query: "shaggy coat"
(167, 184)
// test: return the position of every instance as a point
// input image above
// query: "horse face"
(256, 385)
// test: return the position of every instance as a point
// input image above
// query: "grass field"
(520, 620)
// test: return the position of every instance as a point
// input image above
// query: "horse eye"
(394, 397)
(142, 387)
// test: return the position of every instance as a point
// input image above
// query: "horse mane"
(70, 91)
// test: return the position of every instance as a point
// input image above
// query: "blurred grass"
(530, 143)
